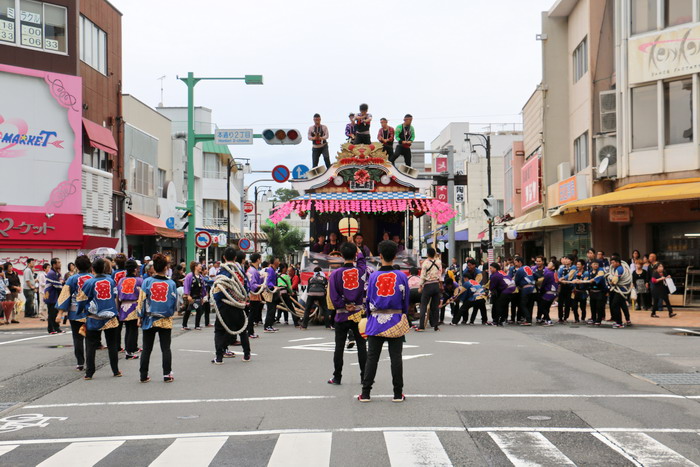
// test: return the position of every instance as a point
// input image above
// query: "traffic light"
(184, 220)
(281, 136)
(484, 245)
(490, 207)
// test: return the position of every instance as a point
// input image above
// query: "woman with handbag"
(660, 291)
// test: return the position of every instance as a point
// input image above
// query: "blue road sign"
(243, 244)
(280, 174)
(299, 171)
(170, 222)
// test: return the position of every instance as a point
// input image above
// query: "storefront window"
(644, 15)
(644, 117)
(577, 237)
(33, 24)
(678, 111)
(678, 12)
(677, 246)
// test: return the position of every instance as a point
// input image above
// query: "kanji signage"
(441, 193)
(530, 184)
(567, 190)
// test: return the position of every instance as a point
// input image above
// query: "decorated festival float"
(363, 192)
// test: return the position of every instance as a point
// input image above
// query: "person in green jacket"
(405, 135)
(284, 282)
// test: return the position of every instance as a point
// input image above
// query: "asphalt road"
(476, 395)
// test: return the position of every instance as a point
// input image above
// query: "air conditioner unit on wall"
(605, 157)
(564, 171)
(608, 111)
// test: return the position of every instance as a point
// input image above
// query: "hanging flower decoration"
(361, 177)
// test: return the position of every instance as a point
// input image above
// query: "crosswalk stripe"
(526, 449)
(643, 450)
(8, 448)
(417, 448)
(302, 450)
(192, 452)
(84, 454)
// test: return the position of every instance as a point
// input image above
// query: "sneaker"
(548, 323)
(246, 358)
(168, 378)
(121, 350)
(654, 315)
(145, 380)
(525, 323)
(87, 378)
(333, 381)
(618, 326)
(53, 332)
(254, 336)
(118, 374)
(237, 343)
(216, 361)
(270, 329)
(671, 315)
(131, 357)
(209, 326)
(419, 330)
(364, 398)
(629, 323)
(453, 324)
(14, 321)
(597, 324)
(185, 329)
(229, 354)
(79, 368)
(351, 344)
(400, 398)
(197, 328)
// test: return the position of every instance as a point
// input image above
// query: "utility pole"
(487, 147)
(451, 242)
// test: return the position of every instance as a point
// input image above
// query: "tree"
(283, 238)
(285, 194)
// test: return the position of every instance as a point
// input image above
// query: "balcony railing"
(214, 174)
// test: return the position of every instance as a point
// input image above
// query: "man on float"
(318, 135)
(386, 137)
(362, 122)
(405, 135)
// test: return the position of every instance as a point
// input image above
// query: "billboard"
(530, 184)
(40, 159)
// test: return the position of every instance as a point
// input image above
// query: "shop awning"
(671, 191)
(461, 236)
(524, 222)
(138, 224)
(90, 242)
(100, 137)
(551, 222)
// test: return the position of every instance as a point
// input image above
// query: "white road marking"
(458, 342)
(529, 449)
(645, 450)
(81, 454)
(302, 450)
(403, 357)
(209, 351)
(35, 337)
(616, 448)
(178, 401)
(543, 396)
(580, 430)
(192, 452)
(308, 339)
(330, 347)
(417, 448)
(8, 448)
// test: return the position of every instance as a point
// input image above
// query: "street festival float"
(362, 192)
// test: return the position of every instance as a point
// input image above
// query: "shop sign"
(621, 214)
(18, 259)
(530, 184)
(498, 236)
(441, 193)
(567, 190)
(219, 239)
(440, 164)
(581, 229)
(664, 55)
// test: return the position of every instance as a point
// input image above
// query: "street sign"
(170, 222)
(248, 207)
(202, 239)
(299, 171)
(280, 174)
(243, 244)
(441, 193)
(440, 164)
(498, 236)
(239, 136)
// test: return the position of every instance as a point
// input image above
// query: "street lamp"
(487, 147)
(194, 138)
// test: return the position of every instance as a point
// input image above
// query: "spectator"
(660, 291)
(640, 281)
(29, 289)
(54, 285)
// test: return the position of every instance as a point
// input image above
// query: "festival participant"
(431, 271)
(255, 283)
(547, 289)
(100, 293)
(405, 135)
(525, 281)
(229, 294)
(128, 293)
(316, 295)
(597, 291)
(274, 297)
(660, 291)
(119, 271)
(581, 287)
(473, 296)
(77, 313)
(363, 120)
(397, 239)
(318, 135)
(284, 283)
(144, 265)
(501, 288)
(347, 292)
(350, 129)
(386, 137)
(332, 245)
(565, 274)
(320, 244)
(449, 286)
(604, 263)
(619, 280)
(156, 307)
(195, 293)
(590, 257)
(359, 242)
(386, 307)
(54, 286)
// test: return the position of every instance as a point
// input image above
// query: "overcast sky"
(441, 60)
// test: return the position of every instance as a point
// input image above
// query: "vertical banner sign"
(440, 164)
(530, 184)
(441, 193)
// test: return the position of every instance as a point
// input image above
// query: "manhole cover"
(673, 378)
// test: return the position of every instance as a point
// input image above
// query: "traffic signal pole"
(451, 242)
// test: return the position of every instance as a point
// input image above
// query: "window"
(581, 152)
(580, 60)
(678, 12)
(678, 113)
(160, 191)
(37, 26)
(644, 15)
(143, 178)
(644, 117)
(213, 167)
(95, 158)
(93, 45)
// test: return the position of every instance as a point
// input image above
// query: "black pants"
(659, 300)
(342, 330)
(527, 303)
(195, 306)
(389, 150)
(272, 310)
(374, 350)
(578, 303)
(514, 303)
(564, 302)
(149, 337)
(78, 342)
(477, 306)
(322, 308)
(543, 307)
(431, 293)
(598, 307)
(93, 339)
(131, 336)
(362, 139)
(233, 317)
(284, 297)
(401, 151)
(51, 323)
(203, 310)
(461, 312)
(643, 301)
(618, 304)
(499, 312)
(254, 309)
(316, 155)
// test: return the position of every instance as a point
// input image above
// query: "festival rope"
(235, 295)
(624, 280)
